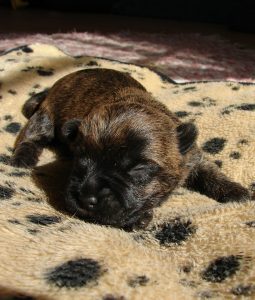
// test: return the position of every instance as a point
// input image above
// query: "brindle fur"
(129, 151)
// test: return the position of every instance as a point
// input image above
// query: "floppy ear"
(70, 129)
(186, 135)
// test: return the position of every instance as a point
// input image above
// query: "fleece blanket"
(194, 248)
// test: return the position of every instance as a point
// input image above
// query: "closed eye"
(143, 172)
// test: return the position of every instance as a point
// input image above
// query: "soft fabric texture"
(195, 248)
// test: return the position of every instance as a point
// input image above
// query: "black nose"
(89, 202)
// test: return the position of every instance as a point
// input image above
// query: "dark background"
(236, 14)
(231, 19)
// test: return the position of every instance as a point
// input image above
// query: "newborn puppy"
(128, 151)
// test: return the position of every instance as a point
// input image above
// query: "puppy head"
(126, 161)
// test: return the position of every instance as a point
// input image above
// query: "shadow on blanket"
(52, 179)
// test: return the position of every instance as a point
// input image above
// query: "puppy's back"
(76, 94)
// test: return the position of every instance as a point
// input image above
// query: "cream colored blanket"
(195, 248)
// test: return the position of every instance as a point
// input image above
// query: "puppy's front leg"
(206, 179)
(38, 133)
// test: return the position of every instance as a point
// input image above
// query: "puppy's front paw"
(22, 162)
(234, 192)
(25, 156)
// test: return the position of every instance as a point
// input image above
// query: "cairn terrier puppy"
(128, 151)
